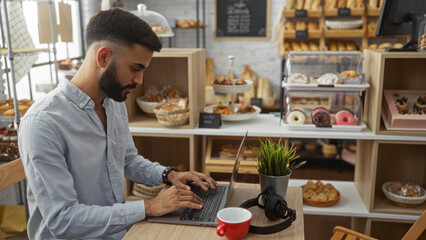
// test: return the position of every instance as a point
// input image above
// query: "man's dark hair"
(121, 27)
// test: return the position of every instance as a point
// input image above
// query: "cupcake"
(402, 105)
(420, 105)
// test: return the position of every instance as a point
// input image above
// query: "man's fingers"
(207, 179)
(190, 199)
(188, 204)
(189, 193)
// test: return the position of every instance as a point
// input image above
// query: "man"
(77, 148)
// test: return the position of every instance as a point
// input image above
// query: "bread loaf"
(264, 92)
(332, 45)
(350, 3)
(305, 46)
(316, 5)
(341, 46)
(289, 26)
(209, 71)
(313, 46)
(350, 46)
(287, 46)
(248, 74)
(299, 4)
(330, 4)
(313, 26)
(372, 3)
(301, 26)
(290, 4)
(341, 3)
(308, 4)
(359, 3)
(296, 46)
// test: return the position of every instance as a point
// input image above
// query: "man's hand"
(180, 179)
(171, 200)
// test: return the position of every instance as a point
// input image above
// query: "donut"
(329, 79)
(298, 78)
(296, 117)
(321, 117)
(344, 117)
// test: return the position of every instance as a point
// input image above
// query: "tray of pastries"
(347, 80)
(404, 194)
(241, 111)
(319, 194)
(226, 85)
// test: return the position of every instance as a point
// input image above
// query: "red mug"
(234, 222)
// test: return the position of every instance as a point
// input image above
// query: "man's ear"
(103, 57)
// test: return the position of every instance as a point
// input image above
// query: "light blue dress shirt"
(76, 170)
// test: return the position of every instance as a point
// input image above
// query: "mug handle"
(220, 230)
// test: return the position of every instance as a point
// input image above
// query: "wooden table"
(242, 192)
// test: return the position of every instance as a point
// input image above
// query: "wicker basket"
(146, 192)
(172, 118)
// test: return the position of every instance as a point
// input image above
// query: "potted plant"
(275, 162)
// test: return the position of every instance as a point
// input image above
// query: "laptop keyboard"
(211, 201)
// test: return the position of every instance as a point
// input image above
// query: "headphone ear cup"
(281, 208)
(270, 208)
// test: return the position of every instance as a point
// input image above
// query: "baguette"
(308, 4)
(301, 26)
(313, 26)
(305, 46)
(290, 4)
(341, 3)
(289, 26)
(316, 5)
(299, 4)
(330, 4)
(351, 4)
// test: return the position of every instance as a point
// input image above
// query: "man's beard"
(111, 86)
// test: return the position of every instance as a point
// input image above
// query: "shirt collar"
(78, 97)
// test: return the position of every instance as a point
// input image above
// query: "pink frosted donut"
(344, 117)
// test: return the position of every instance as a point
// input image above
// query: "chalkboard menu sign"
(242, 19)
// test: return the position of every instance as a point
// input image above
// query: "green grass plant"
(276, 158)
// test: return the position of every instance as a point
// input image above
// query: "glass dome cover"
(157, 22)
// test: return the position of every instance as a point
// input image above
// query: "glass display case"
(322, 91)
(157, 22)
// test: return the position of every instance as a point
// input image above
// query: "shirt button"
(115, 186)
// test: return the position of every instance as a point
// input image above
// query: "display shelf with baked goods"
(344, 11)
(382, 163)
(322, 91)
(181, 151)
(400, 71)
(373, 7)
(302, 8)
(221, 153)
(24, 51)
(178, 75)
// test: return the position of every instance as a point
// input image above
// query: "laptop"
(213, 201)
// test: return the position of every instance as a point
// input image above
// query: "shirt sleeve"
(43, 153)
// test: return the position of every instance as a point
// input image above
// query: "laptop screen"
(236, 167)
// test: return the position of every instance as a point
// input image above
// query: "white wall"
(262, 56)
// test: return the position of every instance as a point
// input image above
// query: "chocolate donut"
(321, 117)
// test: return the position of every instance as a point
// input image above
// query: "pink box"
(395, 120)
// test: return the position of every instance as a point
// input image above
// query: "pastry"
(319, 192)
(359, 3)
(344, 117)
(222, 109)
(350, 46)
(313, 46)
(305, 46)
(397, 45)
(287, 46)
(329, 79)
(240, 81)
(295, 46)
(299, 4)
(313, 26)
(321, 117)
(385, 45)
(373, 46)
(330, 4)
(349, 74)
(332, 45)
(308, 4)
(245, 108)
(420, 105)
(298, 78)
(341, 3)
(341, 46)
(350, 3)
(289, 26)
(316, 5)
(296, 116)
(301, 26)
(290, 4)
(402, 105)
(2, 102)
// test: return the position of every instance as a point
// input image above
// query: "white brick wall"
(262, 56)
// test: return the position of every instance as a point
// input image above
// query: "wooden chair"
(11, 173)
(417, 229)
(341, 233)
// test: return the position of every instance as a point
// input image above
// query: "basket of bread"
(319, 194)
(7, 107)
(154, 96)
(404, 194)
(172, 112)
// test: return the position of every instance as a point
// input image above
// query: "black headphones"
(275, 208)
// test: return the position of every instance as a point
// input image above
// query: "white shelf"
(350, 204)
(267, 125)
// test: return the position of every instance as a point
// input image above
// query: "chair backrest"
(342, 233)
(417, 229)
(11, 173)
